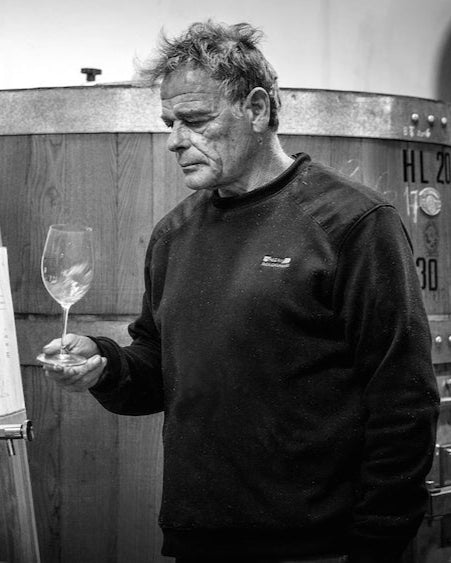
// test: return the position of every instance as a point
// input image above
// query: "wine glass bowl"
(68, 285)
(67, 271)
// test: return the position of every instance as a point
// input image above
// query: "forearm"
(131, 383)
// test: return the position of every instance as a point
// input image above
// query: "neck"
(269, 162)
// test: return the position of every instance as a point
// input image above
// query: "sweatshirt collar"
(263, 191)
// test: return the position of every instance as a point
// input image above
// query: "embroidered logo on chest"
(275, 262)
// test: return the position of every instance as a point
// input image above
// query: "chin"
(199, 183)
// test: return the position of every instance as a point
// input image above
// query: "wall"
(389, 46)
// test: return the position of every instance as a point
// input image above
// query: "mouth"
(188, 166)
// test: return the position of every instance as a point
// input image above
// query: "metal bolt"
(431, 119)
(91, 73)
(444, 121)
(438, 340)
(415, 117)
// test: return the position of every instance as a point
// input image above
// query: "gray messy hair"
(228, 53)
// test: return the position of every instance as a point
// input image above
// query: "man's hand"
(76, 378)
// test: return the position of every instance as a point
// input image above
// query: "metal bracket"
(11, 432)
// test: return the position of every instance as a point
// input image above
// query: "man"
(282, 332)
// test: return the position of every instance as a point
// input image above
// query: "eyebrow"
(188, 114)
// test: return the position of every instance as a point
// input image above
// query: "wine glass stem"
(63, 337)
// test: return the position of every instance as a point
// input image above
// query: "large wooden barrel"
(97, 155)
(96, 476)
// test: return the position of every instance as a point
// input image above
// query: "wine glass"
(67, 272)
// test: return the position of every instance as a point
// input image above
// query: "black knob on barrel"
(91, 73)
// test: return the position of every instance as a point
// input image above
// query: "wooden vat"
(97, 155)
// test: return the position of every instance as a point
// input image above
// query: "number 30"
(428, 273)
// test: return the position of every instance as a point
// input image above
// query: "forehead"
(188, 85)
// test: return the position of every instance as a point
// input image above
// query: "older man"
(282, 332)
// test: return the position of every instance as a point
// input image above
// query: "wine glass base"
(61, 360)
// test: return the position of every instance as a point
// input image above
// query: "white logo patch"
(274, 262)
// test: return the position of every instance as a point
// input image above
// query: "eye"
(195, 124)
(169, 124)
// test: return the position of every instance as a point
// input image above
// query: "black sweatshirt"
(283, 334)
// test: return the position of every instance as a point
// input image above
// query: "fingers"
(77, 378)
(71, 341)
(53, 347)
(75, 343)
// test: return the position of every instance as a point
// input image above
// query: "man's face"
(213, 139)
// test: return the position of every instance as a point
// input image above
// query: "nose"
(178, 137)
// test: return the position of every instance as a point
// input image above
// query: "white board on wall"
(11, 391)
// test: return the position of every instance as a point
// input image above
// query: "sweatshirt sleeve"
(377, 295)
(132, 382)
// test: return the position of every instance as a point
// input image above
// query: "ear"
(258, 107)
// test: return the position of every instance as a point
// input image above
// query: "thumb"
(52, 347)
